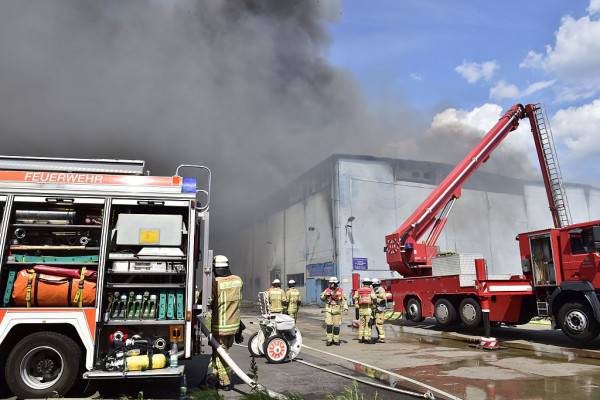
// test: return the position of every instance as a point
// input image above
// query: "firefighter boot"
(336, 335)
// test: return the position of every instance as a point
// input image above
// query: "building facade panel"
(310, 230)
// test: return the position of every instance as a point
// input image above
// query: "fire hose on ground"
(405, 378)
(237, 370)
(429, 394)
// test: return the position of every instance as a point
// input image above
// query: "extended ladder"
(557, 195)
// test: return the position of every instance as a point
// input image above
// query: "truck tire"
(43, 364)
(445, 312)
(414, 311)
(469, 311)
(578, 322)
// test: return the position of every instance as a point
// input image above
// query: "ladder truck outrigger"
(560, 266)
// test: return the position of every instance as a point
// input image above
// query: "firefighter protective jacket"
(334, 300)
(380, 299)
(227, 296)
(364, 299)
(276, 299)
(293, 298)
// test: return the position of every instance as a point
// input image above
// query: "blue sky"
(435, 55)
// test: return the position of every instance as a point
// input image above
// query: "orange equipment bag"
(33, 289)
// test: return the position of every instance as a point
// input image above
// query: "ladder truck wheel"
(445, 312)
(414, 311)
(43, 364)
(578, 322)
(470, 313)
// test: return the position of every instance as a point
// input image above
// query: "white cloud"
(532, 60)
(473, 71)
(577, 128)
(503, 90)
(416, 77)
(594, 7)
(537, 86)
(575, 56)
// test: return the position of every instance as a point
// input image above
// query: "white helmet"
(276, 281)
(291, 282)
(333, 279)
(367, 280)
(376, 281)
(220, 262)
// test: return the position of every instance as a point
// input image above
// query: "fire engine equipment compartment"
(144, 289)
(51, 253)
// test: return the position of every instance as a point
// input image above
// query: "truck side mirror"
(596, 237)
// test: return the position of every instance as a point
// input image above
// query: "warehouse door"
(314, 288)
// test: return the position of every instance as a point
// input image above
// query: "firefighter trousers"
(379, 318)
(364, 317)
(332, 325)
(220, 368)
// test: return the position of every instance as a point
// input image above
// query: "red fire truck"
(98, 268)
(560, 266)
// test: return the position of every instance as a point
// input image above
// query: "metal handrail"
(206, 193)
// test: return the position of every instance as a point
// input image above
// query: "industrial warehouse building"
(332, 221)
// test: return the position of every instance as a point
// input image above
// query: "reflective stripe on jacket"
(227, 296)
(276, 299)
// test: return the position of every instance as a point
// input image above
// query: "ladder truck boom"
(410, 256)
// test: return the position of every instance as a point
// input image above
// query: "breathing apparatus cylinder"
(142, 362)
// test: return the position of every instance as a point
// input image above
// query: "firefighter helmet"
(367, 281)
(376, 281)
(220, 262)
(276, 281)
(333, 279)
(291, 283)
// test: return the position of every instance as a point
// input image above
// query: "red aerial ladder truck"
(560, 266)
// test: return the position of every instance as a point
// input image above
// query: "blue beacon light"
(189, 185)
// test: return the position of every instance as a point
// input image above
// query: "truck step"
(150, 373)
(542, 308)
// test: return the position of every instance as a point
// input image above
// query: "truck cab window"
(582, 241)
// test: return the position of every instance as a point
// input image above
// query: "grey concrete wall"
(283, 243)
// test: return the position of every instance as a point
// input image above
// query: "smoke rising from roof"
(239, 86)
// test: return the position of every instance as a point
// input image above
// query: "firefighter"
(335, 301)
(363, 300)
(226, 325)
(277, 297)
(379, 309)
(293, 299)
